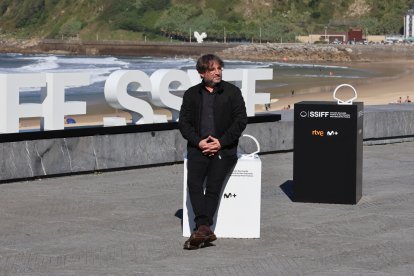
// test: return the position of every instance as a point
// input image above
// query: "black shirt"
(207, 126)
(228, 104)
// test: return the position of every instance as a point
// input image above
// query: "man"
(212, 119)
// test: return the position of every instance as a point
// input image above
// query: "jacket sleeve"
(239, 123)
(185, 122)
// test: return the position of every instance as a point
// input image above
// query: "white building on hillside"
(409, 24)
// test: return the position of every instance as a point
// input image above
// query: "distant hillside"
(233, 20)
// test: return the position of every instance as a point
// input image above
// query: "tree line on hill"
(230, 20)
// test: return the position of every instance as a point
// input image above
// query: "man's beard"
(210, 83)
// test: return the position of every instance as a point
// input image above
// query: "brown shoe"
(206, 231)
(200, 238)
(195, 241)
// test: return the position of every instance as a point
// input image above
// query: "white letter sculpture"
(246, 78)
(200, 37)
(52, 110)
(249, 88)
(161, 96)
(10, 109)
(54, 105)
(116, 94)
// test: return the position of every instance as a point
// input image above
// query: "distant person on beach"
(212, 119)
(69, 120)
(407, 100)
(399, 100)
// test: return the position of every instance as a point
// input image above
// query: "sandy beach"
(394, 79)
(382, 90)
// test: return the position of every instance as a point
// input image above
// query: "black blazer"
(230, 118)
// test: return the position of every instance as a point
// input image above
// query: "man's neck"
(209, 88)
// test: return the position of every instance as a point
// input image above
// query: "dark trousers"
(214, 170)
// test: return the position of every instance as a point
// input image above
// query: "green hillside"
(237, 20)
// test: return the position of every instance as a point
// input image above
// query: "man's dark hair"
(205, 62)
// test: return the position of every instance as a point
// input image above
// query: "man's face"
(213, 74)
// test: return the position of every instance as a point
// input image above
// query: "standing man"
(212, 118)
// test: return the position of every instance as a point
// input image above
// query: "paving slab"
(128, 223)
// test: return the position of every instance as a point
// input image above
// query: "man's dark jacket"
(230, 117)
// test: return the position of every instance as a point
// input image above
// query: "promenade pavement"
(128, 223)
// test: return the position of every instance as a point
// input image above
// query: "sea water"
(100, 67)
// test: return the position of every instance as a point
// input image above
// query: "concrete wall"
(123, 48)
(44, 157)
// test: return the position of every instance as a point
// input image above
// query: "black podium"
(327, 159)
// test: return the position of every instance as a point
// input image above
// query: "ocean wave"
(101, 67)
(41, 64)
(93, 61)
(246, 64)
(11, 55)
(101, 74)
(97, 76)
(48, 63)
(305, 65)
(328, 76)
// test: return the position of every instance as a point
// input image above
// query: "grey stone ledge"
(37, 158)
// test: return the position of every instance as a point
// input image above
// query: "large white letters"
(116, 94)
(248, 78)
(194, 77)
(119, 83)
(10, 109)
(52, 110)
(248, 89)
(54, 105)
(161, 95)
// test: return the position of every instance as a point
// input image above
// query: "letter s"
(161, 96)
(116, 94)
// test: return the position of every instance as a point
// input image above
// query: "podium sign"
(238, 214)
(327, 159)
